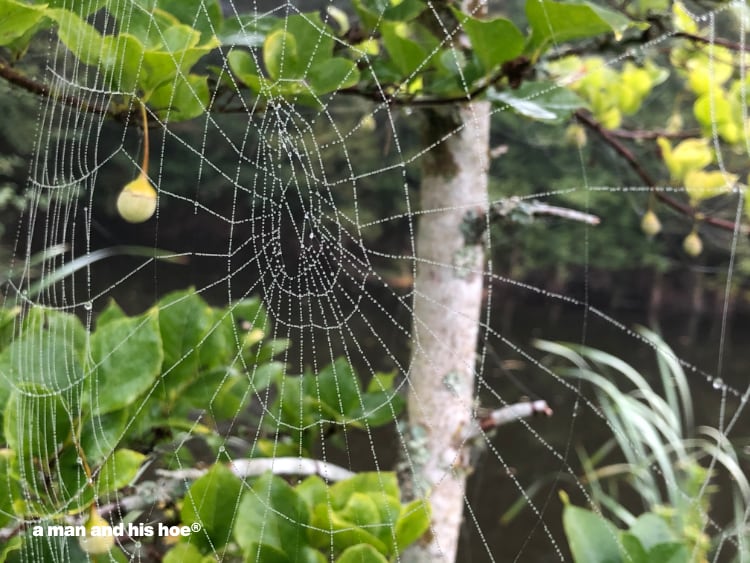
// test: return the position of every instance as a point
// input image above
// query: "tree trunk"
(447, 306)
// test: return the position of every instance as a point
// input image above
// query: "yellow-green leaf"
(682, 19)
(17, 18)
(690, 154)
(280, 55)
(700, 184)
(494, 41)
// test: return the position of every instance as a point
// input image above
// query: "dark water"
(696, 340)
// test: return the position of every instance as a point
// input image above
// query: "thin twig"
(731, 45)
(507, 415)
(515, 204)
(623, 151)
(171, 484)
(244, 468)
(641, 134)
(40, 89)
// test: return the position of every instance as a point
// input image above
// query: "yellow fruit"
(99, 538)
(692, 244)
(368, 123)
(137, 200)
(650, 224)
(610, 119)
(576, 135)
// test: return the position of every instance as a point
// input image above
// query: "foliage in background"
(165, 56)
(153, 369)
(672, 467)
(182, 368)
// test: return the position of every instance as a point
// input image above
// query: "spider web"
(315, 210)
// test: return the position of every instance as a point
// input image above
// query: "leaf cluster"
(359, 519)
(97, 396)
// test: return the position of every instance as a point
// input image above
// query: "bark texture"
(447, 307)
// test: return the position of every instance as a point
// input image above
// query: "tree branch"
(513, 413)
(244, 468)
(40, 89)
(641, 134)
(623, 151)
(511, 205)
(731, 45)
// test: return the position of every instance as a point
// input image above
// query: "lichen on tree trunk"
(446, 314)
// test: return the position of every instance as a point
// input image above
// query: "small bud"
(692, 244)
(368, 123)
(576, 135)
(99, 538)
(650, 224)
(137, 200)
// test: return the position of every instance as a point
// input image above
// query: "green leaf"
(184, 320)
(10, 488)
(494, 41)
(280, 55)
(161, 67)
(554, 22)
(543, 101)
(361, 553)
(335, 74)
(313, 40)
(361, 510)
(119, 56)
(118, 471)
(8, 318)
(233, 391)
(47, 353)
(247, 30)
(112, 312)
(377, 409)
(337, 387)
(14, 544)
(669, 553)
(202, 15)
(183, 553)
(84, 7)
(634, 551)
(383, 482)
(374, 12)
(100, 434)
(271, 513)
(146, 25)
(220, 346)
(329, 527)
(211, 502)
(267, 554)
(16, 19)
(413, 523)
(82, 39)
(651, 529)
(268, 350)
(313, 491)
(127, 356)
(592, 538)
(121, 59)
(36, 421)
(405, 54)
